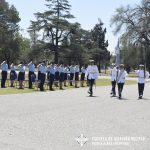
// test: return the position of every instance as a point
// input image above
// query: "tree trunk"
(99, 66)
(56, 56)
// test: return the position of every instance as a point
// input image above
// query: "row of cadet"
(53, 72)
(118, 76)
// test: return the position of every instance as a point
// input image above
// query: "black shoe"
(114, 95)
(89, 92)
(140, 97)
(119, 96)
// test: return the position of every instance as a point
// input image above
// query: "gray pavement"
(65, 120)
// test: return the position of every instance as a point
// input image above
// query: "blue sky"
(86, 12)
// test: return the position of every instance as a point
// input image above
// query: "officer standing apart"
(31, 73)
(142, 75)
(113, 75)
(121, 79)
(92, 73)
(4, 73)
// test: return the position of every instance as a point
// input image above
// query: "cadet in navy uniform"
(21, 75)
(113, 75)
(77, 70)
(142, 74)
(31, 73)
(72, 71)
(56, 74)
(4, 66)
(13, 74)
(39, 73)
(61, 78)
(51, 76)
(83, 70)
(42, 69)
(48, 71)
(66, 71)
(92, 73)
(121, 79)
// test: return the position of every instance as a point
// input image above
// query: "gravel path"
(57, 120)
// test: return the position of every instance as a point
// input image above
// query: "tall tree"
(54, 24)
(134, 22)
(9, 37)
(100, 52)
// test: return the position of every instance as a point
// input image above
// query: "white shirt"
(4, 67)
(113, 74)
(92, 72)
(121, 76)
(140, 74)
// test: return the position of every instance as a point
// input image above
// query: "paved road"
(57, 120)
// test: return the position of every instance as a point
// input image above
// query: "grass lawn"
(99, 82)
(9, 90)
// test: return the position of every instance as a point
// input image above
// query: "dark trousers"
(30, 78)
(120, 88)
(51, 81)
(141, 88)
(42, 80)
(71, 78)
(4, 77)
(113, 83)
(91, 83)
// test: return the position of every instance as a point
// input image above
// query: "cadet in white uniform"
(121, 79)
(4, 73)
(142, 75)
(113, 75)
(92, 73)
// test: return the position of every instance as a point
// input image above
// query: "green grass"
(99, 82)
(9, 90)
